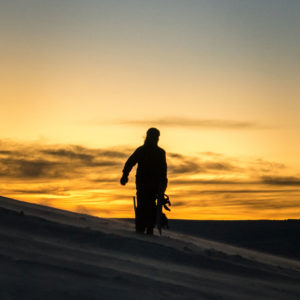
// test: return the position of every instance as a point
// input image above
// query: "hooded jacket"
(152, 166)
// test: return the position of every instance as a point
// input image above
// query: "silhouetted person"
(151, 179)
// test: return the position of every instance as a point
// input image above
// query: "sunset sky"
(82, 81)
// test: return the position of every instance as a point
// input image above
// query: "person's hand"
(124, 180)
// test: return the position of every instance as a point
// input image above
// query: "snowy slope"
(46, 253)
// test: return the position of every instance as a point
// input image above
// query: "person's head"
(152, 136)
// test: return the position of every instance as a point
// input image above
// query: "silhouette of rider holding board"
(151, 179)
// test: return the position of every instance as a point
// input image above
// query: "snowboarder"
(151, 180)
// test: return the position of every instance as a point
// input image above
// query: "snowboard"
(161, 219)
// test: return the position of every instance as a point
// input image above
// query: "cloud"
(184, 167)
(260, 204)
(281, 180)
(278, 181)
(179, 204)
(35, 162)
(5, 152)
(179, 164)
(67, 161)
(219, 166)
(193, 123)
(89, 178)
(261, 166)
(211, 154)
(235, 203)
(58, 191)
(107, 179)
(214, 197)
(246, 191)
(175, 155)
(69, 154)
(26, 168)
(192, 181)
(87, 155)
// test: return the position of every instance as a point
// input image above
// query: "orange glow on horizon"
(206, 186)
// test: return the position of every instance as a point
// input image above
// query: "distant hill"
(276, 237)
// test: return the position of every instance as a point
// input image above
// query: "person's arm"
(132, 160)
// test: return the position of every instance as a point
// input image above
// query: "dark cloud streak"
(30, 168)
(71, 161)
(281, 180)
(193, 123)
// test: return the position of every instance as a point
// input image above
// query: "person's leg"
(150, 211)
(140, 211)
(146, 209)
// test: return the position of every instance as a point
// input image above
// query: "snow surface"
(47, 253)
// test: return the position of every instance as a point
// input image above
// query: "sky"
(82, 81)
